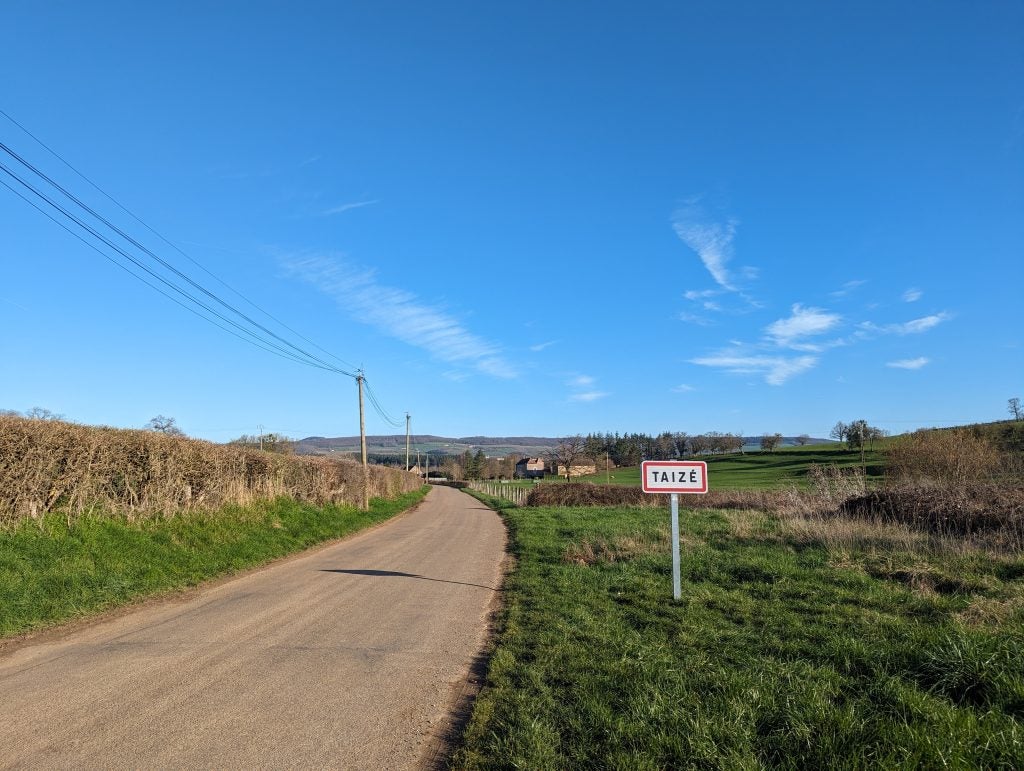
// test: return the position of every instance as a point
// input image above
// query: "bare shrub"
(52, 465)
(943, 487)
(831, 485)
(948, 458)
(948, 482)
(974, 509)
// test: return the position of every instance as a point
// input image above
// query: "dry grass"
(55, 466)
(618, 549)
(991, 611)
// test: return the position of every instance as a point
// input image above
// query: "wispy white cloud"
(588, 396)
(804, 322)
(584, 390)
(400, 314)
(912, 327)
(712, 241)
(912, 295)
(343, 207)
(909, 363)
(700, 294)
(848, 287)
(542, 346)
(776, 370)
(693, 318)
(682, 388)
(16, 305)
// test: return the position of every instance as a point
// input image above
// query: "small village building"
(578, 470)
(530, 468)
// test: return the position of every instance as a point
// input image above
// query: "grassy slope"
(776, 656)
(54, 572)
(763, 469)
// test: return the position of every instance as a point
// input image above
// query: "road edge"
(446, 737)
(62, 629)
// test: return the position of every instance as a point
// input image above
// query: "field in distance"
(758, 470)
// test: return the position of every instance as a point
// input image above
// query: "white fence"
(509, 492)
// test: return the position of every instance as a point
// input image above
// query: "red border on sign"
(673, 464)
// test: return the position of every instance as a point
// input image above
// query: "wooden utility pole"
(362, 443)
(407, 441)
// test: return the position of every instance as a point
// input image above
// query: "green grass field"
(760, 470)
(51, 572)
(782, 653)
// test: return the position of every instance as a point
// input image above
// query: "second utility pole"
(407, 441)
(362, 443)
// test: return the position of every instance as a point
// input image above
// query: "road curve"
(349, 657)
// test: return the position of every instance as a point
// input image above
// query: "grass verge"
(51, 571)
(784, 652)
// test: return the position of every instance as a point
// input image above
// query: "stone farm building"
(531, 468)
(578, 470)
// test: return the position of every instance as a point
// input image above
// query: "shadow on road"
(398, 574)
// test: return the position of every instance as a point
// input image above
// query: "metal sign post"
(677, 582)
(674, 477)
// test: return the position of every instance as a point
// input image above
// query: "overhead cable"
(167, 241)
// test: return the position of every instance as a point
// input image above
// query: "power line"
(154, 287)
(167, 241)
(241, 325)
(135, 261)
(168, 266)
(378, 408)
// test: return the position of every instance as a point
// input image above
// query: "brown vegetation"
(55, 466)
(620, 548)
(951, 486)
(590, 494)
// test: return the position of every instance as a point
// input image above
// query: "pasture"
(793, 646)
(761, 470)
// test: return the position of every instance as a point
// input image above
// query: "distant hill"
(493, 446)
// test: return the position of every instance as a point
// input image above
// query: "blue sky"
(525, 219)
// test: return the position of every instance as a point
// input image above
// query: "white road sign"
(674, 476)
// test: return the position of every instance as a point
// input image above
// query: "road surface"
(351, 656)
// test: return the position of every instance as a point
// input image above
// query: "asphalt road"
(351, 656)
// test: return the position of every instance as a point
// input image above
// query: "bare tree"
(1014, 408)
(770, 441)
(874, 433)
(567, 453)
(803, 439)
(164, 426)
(839, 431)
(41, 413)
